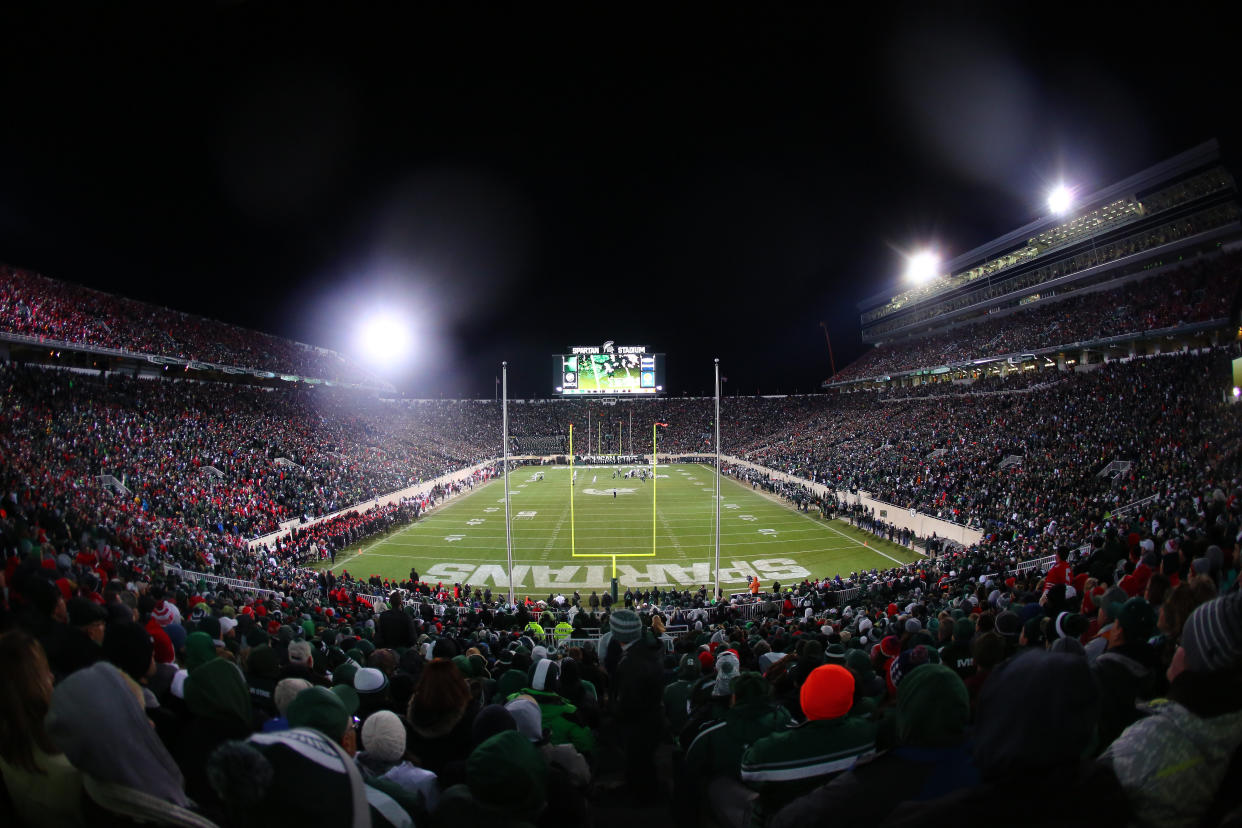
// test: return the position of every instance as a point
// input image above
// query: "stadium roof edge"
(1183, 162)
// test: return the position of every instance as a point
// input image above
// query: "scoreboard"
(608, 370)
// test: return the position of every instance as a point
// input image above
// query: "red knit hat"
(828, 692)
(706, 660)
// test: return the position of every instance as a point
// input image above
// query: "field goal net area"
(540, 445)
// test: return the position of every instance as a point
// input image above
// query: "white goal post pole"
(717, 586)
(504, 369)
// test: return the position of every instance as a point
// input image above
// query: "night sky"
(710, 180)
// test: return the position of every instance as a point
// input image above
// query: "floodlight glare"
(922, 267)
(1060, 200)
(384, 338)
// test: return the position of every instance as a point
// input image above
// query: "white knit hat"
(528, 715)
(370, 680)
(286, 689)
(383, 736)
(300, 652)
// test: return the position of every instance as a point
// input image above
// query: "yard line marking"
(825, 525)
(872, 548)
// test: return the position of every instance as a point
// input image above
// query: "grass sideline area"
(463, 541)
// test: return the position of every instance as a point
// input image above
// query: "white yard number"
(452, 538)
(767, 531)
(748, 517)
(729, 505)
(474, 522)
(525, 515)
(491, 509)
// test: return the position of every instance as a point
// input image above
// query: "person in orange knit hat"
(792, 761)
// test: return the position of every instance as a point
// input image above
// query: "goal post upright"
(654, 480)
(572, 546)
(504, 369)
(717, 585)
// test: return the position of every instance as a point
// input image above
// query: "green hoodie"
(560, 720)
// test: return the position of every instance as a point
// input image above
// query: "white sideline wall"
(383, 500)
(922, 525)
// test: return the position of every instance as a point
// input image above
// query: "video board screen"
(609, 370)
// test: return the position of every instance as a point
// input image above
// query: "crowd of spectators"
(226, 460)
(1065, 434)
(1198, 292)
(35, 305)
(899, 697)
(914, 695)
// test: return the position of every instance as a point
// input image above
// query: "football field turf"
(556, 549)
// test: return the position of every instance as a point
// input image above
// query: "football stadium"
(990, 546)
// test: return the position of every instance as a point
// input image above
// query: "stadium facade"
(1138, 230)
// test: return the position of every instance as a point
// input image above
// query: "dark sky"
(709, 180)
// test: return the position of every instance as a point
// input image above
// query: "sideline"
(825, 525)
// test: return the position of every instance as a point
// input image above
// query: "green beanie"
(262, 663)
(199, 649)
(345, 673)
(463, 665)
(963, 629)
(507, 771)
(510, 682)
(933, 707)
(217, 691)
(751, 686)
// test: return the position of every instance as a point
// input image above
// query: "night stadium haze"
(705, 182)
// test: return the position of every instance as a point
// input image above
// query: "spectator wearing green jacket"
(1175, 764)
(560, 718)
(677, 693)
(717, 749)
(794, 760)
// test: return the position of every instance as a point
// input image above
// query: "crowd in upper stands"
(35, 305)
(230, 460)
(1197, 292)
(1104, 253)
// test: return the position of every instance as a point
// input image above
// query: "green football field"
(559, 546)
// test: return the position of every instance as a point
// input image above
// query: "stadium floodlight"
(384, 338)
(1060, 200)
(922, 267)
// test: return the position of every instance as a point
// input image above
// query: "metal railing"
(232, 583)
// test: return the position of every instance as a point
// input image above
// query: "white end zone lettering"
(571, 576)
